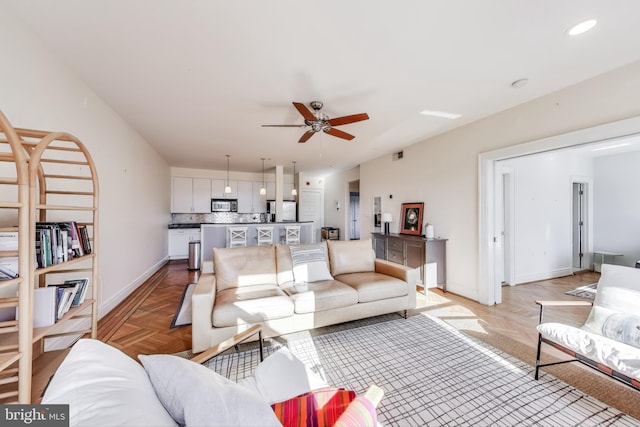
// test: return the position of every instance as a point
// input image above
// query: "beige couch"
(257, 285)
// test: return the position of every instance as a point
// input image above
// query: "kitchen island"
(217, 236)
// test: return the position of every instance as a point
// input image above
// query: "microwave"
(224, 205)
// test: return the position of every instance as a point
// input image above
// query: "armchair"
(609, 340)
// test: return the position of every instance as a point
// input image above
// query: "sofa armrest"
(567, 303)
(396, 270)
(202, 300)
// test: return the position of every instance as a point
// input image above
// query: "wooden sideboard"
(414, 252)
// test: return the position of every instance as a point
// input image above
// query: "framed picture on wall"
(411, 218)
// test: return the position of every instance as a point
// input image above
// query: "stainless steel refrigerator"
(288, 210)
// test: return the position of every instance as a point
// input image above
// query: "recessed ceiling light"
(441, 114)
(519, 83)
(582, 27)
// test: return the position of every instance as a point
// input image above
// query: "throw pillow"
(309, 263)
(197, 396)
(320, 408)
(623, 327)
(359, 413)
(282, 376)
(105, 387)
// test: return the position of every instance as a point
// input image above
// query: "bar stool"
(237, 237)
(292, 234)
(265, 235)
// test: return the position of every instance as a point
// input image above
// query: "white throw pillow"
(309, 263)
(197, 396)
(105, 387)
(282, 376)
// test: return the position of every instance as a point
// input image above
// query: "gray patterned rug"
(586, 291)
(434, 375)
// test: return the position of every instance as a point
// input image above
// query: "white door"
(311, 209)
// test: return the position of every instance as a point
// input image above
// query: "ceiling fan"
(321, 122)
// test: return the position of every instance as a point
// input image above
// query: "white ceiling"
(198, 78)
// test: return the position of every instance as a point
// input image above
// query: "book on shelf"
(80, 292)
(8, 240)
(44, 306)
(66, 294)
(58, 242)
(8, 267)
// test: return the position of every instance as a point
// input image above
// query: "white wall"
(543, 188)
(617, 207)
(37, 91)
(442, 171)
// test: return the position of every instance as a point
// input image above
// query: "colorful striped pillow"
(317, 408)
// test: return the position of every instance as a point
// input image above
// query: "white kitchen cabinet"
(201, 195)
(217, 189)
(259, 201)
(190, 195)
(182, 195)
(179, 239)
(271, 190)
(245, 197)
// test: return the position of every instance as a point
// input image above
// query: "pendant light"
(294, 192)
(263, 190)
(227, 188)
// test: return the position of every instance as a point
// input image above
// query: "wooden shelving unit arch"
(15, 335)
(58, 183)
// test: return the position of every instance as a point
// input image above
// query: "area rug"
(586, 291)
(183, 314)
(434, 375)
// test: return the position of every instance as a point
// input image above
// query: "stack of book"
(58, 242)
(54, 301)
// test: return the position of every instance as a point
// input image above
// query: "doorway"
(353, 215)
(489, 290)
(581, 224)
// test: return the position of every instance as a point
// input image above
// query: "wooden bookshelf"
(56, 181)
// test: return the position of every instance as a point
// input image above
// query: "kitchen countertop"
(197, 225)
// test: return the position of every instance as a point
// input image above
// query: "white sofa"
(343, 281)
(609, 340)
(105, 387)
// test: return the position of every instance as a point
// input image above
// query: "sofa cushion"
(319, 296)
(248, 266)
(374, 286)
(618, 292)
(350, 256)
(310, 263)
(250, 304)
(197, 396)
(614, 354)
(105, 387)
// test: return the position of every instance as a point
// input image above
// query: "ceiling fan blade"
(339, 134)
(284, 126)
(348, 119)
(305, 137)
(302, 109)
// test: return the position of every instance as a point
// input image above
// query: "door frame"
(487, 289)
